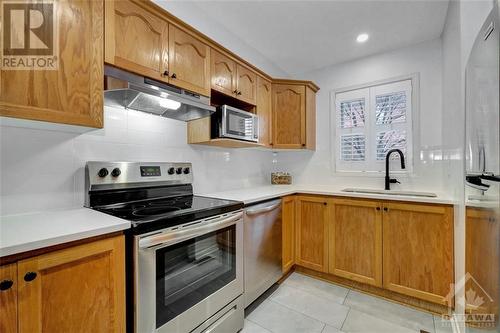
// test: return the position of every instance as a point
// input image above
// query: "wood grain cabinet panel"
(79, 289)
(8, 298)
(264, 100)
(311, 229)
(356, 240)
(136, 39)
(482, 255)
(189, 61)
(418, 250)
(288, 116)
(246, 81)
(223, 73)
(288, 226)
(72, 94)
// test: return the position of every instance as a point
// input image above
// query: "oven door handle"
(174, 237)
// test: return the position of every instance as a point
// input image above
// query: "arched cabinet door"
(264, 110)
(223, 73)
(189, 62)
(288, 116)
(136, 39)
(246, 84)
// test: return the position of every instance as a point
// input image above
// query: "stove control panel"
(102, 173)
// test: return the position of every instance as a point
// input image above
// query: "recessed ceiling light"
(362, 38)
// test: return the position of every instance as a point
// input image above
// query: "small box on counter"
(281, 178)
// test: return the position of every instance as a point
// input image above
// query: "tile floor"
(305, 305)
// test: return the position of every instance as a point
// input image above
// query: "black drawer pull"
(386, 209)
(30, 276)
(6, 284)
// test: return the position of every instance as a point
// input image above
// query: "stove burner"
(156, 210)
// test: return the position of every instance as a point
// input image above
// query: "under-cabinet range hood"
(142, 94)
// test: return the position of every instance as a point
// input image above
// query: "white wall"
(424, 59)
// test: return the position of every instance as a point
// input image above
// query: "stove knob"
(178, 171)
(186, 171)
(171, 171)
(116, 172)
(103, 172)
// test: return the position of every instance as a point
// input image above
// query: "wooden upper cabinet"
(73, 93)
(264, 112)
(356, 240)
(288, 230)
(289, 116)
(418, 250)
(189, 62)
(246, 84)
(136, 39)
(8, 298)
(223, 73)
(311, 232)
(79, 289)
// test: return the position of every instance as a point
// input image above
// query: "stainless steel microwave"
(230, 122)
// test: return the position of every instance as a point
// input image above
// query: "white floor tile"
(319, 308)
(389, 311)
(251, 327)
(330, 329)
(317, 287)
(359, 322)
(280, 319)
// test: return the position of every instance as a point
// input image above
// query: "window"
(369, 122)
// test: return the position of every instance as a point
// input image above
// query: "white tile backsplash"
(43, 169)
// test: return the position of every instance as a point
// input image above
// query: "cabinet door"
(246, 82)
(8, 298)
(79, 289)
(288, 116)
(288, 226)
(136, 39)
(482, 255)
(223, 73)
(189, 62)
(311, 229)
(356, 240)
(418, 250)
(72, 94)
(264, 110)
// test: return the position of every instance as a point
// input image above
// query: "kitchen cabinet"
(418, 250)
(294, 115)
(8, 298)
(264, 111)
(223, 73)
(73, 93)
(140, 39)
(481, 259)
(311, 232)
(355, 249)
(288, 230)
(246, 84)
(77, 289)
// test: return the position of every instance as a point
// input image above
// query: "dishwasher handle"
(262, 210)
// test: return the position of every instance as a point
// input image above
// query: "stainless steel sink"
(391, 192)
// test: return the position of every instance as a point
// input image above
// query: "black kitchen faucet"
(389, 180)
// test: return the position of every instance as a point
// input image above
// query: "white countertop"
(27, 232)
(255, 194)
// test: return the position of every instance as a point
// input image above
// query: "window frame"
(371, 131)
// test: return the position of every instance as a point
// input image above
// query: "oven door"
(239, 124)
(185, 275)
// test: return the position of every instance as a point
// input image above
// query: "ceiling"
(301, 36)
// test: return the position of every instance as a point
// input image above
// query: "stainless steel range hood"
(142, 94)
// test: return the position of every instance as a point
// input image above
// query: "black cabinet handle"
(6, 284)
(378, 208)
(238, 93)
(165, 73)
(386, 209)
(235, 92)
(30, 276)
(324, 203)
(174, 76)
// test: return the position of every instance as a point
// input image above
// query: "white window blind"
(369, 122)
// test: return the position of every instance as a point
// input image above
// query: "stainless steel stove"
(185, 254)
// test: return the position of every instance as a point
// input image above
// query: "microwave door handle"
(170, 238)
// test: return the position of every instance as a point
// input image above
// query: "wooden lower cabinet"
(8, 298)
(355, 249)
(288, 230)
(78, 289)
(418, 250)
(311, 232)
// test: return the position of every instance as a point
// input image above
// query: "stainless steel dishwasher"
(262, 248)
